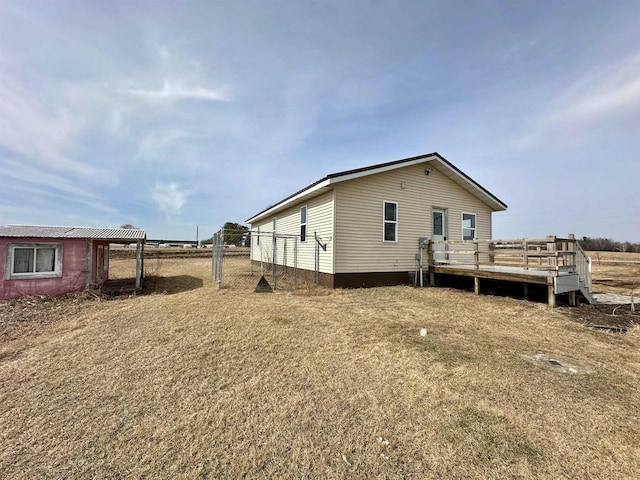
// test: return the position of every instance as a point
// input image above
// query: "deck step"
(586, 293)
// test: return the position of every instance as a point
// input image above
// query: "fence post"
(273, 260)
(295, 263)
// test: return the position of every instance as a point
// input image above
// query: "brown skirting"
(370, 279)
(353, 280)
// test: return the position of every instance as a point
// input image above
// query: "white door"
(439, 232)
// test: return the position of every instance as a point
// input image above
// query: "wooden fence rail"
(550, 253)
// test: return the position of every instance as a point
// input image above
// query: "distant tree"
(128, 226)
(235, 234)
(207, 241)
(608, 245)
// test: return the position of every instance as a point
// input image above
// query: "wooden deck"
(558, 263)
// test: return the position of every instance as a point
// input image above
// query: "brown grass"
(616, 272)
(192, 382)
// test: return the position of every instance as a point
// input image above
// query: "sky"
(168, 115)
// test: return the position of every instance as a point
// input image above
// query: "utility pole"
(197, 235)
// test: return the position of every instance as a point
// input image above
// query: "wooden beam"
(525, 289)
(552, 296)
(512, 277)
(572, 299)
(138, 265)
(476, 285)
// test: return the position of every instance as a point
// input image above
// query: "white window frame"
(304, 224)
(385, 221)
(9, 261)
(475, 228)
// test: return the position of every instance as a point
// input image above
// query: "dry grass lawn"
(191, 382)
(616, 272)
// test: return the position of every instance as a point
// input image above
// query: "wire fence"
(241, 259)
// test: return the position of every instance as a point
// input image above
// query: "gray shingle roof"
(93, 233)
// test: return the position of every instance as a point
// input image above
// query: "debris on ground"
(23, 316)
(601, 316)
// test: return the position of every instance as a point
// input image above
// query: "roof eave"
(333, 178)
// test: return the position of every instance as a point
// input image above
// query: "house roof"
(91, 233)
(325, 184)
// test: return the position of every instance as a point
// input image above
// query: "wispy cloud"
(37, 130)
(591, 105)
(169, 197)
(177, 91)
(27, 175)
(153, 141)
(609, 91)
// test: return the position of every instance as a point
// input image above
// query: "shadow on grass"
(171, 285)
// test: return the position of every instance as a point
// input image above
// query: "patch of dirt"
(618, 316)
(24, 316)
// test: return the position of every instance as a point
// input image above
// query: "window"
(33, 260)
(468, 226)
(303, 224)
(390, 222)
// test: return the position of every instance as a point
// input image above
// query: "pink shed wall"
(73, 270)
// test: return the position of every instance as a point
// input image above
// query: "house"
(369, 221)
(46, 260)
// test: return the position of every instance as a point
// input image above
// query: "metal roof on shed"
(93, 233)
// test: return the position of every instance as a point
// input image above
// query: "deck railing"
(583, 266)
(551, 253)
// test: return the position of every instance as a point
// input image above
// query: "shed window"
(468, 226)
(303, 224)
(390, 222)
(28, 260)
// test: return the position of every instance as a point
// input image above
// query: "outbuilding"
(52, 260)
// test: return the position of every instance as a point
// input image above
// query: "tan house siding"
(319, 219)
(359, 217)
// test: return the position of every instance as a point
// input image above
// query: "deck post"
(432, 273)
(552, 296)
(571, 247)
(525, 288)
(525, 254)
(572, 299)
(476, 254)
(476, 285)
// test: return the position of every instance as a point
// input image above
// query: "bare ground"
(191, 382)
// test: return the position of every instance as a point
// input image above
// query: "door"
(439, 232)
(100, 265)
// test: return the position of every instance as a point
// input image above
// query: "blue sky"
(169, 115)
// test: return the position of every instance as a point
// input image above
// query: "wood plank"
(511, 277)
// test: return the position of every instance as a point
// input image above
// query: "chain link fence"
(241, 258)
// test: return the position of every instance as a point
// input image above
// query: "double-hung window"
(34, 260)
(303, 224)
(390, 222)
(468, 226)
